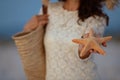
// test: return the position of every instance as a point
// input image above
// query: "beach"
(12, 69)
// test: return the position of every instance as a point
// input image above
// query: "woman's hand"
(35, 21)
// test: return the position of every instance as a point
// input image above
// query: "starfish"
(91, 42)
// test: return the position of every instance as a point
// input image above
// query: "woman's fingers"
(42, 17)
(42, 23)
(104, 44)
(93, 51)
(35, 21)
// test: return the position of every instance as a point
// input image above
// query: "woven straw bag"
(32, 53)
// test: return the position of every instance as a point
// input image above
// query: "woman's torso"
(62, 59)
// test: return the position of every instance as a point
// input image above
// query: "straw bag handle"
(45, 11)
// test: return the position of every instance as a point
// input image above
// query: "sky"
(15, 13)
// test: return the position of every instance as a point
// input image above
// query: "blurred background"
(13, 16)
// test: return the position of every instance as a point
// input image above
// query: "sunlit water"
(11, 67)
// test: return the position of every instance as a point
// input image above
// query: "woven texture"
(31, 50)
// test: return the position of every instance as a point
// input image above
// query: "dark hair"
(91, 8)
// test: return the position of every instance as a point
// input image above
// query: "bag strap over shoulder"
(45, 6)
(45, 11)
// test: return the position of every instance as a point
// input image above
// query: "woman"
(67, 20)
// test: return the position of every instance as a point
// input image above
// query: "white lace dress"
(62, 59)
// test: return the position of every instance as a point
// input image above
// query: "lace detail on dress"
(63, 62)
(98, 24)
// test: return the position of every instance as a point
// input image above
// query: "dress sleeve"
(98, 24)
